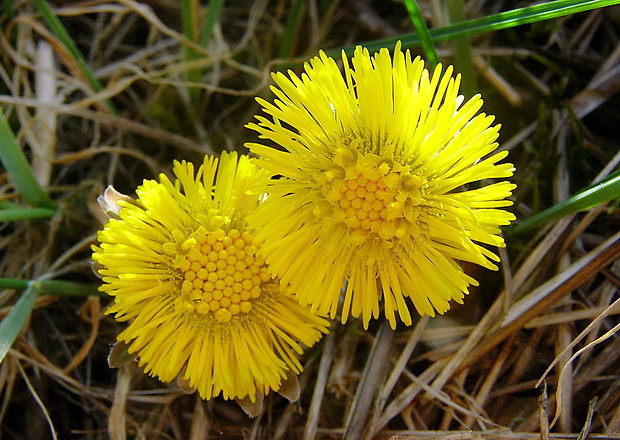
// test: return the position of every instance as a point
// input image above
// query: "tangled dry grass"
(535, 341)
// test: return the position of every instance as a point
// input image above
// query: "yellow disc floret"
(222, 274)
(364, 201)
(377, 199)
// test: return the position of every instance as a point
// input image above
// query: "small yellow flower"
(191, 281)
(383, 186)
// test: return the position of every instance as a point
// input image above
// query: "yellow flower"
(191, 281)
(383, 186)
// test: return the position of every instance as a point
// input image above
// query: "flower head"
(191, 281)
(383, 185)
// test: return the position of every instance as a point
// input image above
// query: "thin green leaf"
(8, 8)
(462, 50)
(7, 204)
(189, 15)
(602, 192)
(67, 288)
(18, 168)
(425, 37)
(12, 283)
(291, 28)
(52, 287)
(503, 20)
(11, 215)
(213, 15)
(13, 323)
(61, 33)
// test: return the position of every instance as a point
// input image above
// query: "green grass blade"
(462, 51)
(213, 15)
(189, 16)
(190, 10)
(19, 170)
(602, 192)
(189, 20)
(61, 33)
(8, 9)
(422, 30)
(11, 215)
(291, 28)
(67, 288)
(52, 287)
(502, 20)
(521, 16)
(13, 323)
(12, 283)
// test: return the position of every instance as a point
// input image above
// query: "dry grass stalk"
(319, 388)
(43, 137)
(368, 387)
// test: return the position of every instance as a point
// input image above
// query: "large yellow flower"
(383, 186)
(191, 281)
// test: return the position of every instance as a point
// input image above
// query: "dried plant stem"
(406, 396)
(37, 399)
(397, 371)
(502, 85)
(200, 422)
(464, 356)
(610, 355)
(319, 389)
(117, 420)
(563, 341)
(491, 434)
(550, 292)
(543, 413)
(372, 377)
(44, 136)
(583, 435)
(489, 381)
(113, 121)
(614, 425)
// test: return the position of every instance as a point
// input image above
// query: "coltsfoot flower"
(382, 186)
(192, 283)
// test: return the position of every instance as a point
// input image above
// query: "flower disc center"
(377, 201)
(363, 202)
(222, 275)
